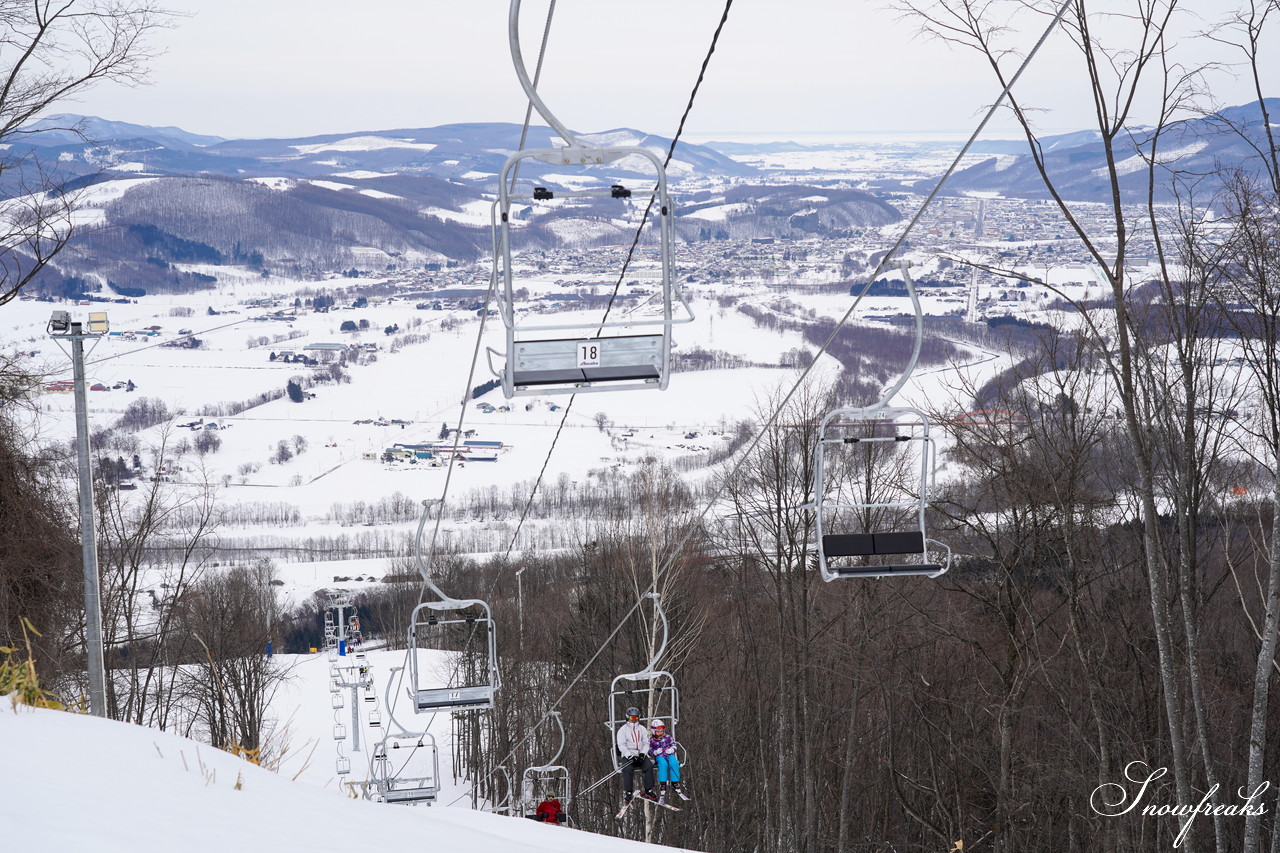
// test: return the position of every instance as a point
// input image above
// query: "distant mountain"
(468, 153)
(1059, 142)
(67, 128)
(1230, 138)
(164, 207)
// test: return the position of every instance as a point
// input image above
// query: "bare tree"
(39, 554)
(52, 52)
(233, 616)
(154, 546)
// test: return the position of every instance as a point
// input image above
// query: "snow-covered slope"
(79, 783)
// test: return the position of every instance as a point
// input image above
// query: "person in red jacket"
(549, 811)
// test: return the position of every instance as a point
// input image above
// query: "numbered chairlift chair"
(904, 549)
(405, 770)
(547, 780)
(580, 358)
(658, 691)
(430, 625)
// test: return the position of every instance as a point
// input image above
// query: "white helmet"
(657, 724)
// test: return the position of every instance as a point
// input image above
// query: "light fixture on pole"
(62, 327)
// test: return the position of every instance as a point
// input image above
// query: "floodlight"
(60, 323)
(98, 323)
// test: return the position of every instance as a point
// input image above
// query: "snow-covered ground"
(84, 784)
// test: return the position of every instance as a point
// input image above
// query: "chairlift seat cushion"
(548, 377)
(849, 545)
(883, 571)
(910, 542)
(621, 372)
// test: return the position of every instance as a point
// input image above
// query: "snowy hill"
(88, 784)
(469, 153)
(1077, 161)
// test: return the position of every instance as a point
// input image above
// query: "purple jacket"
(665, 745)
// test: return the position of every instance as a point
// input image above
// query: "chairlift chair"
(872, 551)
(547, 780)
(432, 622)
(566, 358)
(652, 691)
(405, 770)
(582, 357)
(869, 551)
(504, 805)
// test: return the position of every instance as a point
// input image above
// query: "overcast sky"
(783, 68)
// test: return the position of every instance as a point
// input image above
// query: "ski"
(658, 802)
(622, 811)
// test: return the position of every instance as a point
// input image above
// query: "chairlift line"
(773, 418)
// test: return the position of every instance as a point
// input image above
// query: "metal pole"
(355, 715)
(88, 538)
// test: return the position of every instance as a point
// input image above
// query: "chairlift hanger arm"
(517, 58)
(892, 391)
(649, 672)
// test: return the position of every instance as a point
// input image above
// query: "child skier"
(662, 747)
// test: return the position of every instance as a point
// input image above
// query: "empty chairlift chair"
(446, 626)
(405, 769)
(548, 358)
(585, 356)
(880, 518)
(888, 536)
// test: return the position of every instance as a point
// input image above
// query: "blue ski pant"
(668, 768)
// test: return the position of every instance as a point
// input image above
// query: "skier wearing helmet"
(633, 746)
(662, 747)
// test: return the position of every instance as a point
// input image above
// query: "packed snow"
(85, 781)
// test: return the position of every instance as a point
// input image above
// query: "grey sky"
(259, 68)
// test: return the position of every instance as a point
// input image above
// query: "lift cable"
(484, 313)
(702, 73)
(693, 94)
(462, 413)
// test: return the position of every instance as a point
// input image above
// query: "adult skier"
(633, 746)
